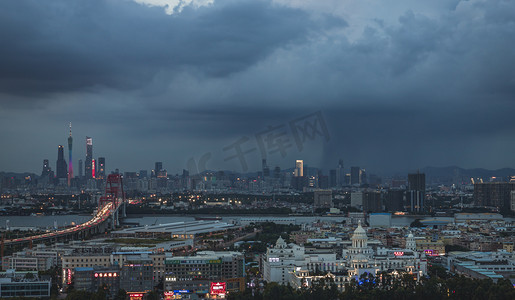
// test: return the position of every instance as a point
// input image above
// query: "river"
(47, 222)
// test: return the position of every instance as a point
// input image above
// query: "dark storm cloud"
(71, 45)
(400, 89)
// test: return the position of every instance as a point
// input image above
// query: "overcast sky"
(399, 85)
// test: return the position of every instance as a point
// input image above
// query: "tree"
(416, 223)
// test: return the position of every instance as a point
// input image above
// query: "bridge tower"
(114, 194)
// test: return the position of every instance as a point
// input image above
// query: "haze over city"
(400, 86)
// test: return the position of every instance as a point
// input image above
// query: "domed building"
(363, 258)
(360, 254)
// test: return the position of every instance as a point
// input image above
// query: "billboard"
(217, 288)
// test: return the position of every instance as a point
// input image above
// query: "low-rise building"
(197, 273)
(21, 284)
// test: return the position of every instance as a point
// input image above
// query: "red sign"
(431, 252)
(135, 296)
(217, 288)
(398, 253)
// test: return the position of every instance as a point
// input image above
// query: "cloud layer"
(400, 86)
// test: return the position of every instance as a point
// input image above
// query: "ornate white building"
(281, 259)
(285, 263)
(361, 258)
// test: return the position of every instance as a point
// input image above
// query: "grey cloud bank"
(425, 84)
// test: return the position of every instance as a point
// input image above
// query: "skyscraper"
(158, 166)
(80, 168)
(354, 175)
(46, 168)
(340, 174)
(266, 169)
(417, 182)
(70, 162)
(416, 191)
(101, 168)
(61, 163)
(299, 168)
(89, 158)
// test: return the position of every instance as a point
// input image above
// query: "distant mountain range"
(455, 171)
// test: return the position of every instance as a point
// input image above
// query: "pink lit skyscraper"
(70, 164)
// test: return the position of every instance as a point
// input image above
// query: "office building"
(323, 198)
(101, 171)
(158, 167)
(265, 168)
(494, 194)
(61, 167)
(395, 200)
(93, 278)
(89, 158)
(277, 172)
(333, 178)
(372, 202)
(416, 191)
(417, 182)
(356, 199)
(14, 284)
(46, 168)
(137, 274)
(354, 176)
(81, 174)
(299, 168)
(340, 174)
(70, 160)
(210, 267)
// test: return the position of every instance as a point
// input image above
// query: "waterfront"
(65, 220)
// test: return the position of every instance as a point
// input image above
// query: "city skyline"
(284, 164)
(400, 87)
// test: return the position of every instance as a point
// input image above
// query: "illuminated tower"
(299, 168)
(70, 164)
(89, 158)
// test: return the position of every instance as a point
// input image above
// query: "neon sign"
(217, 288)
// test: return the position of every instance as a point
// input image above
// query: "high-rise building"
(159, 166)
(340, 174)
(372, 202)
(101, 174)
(46, 168)
(89, 158)
(299, 168)
(277, 172)
(494, 194)
(395, 200)
(80, 169)
(70, 161)
(61, 166)
(417, 182)
(266, 169)
(416, 191)
(93, 168)
(354, 175)
(333, 178)
(323, 199)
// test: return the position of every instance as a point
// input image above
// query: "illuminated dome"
(359, 238)
(359, 232)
